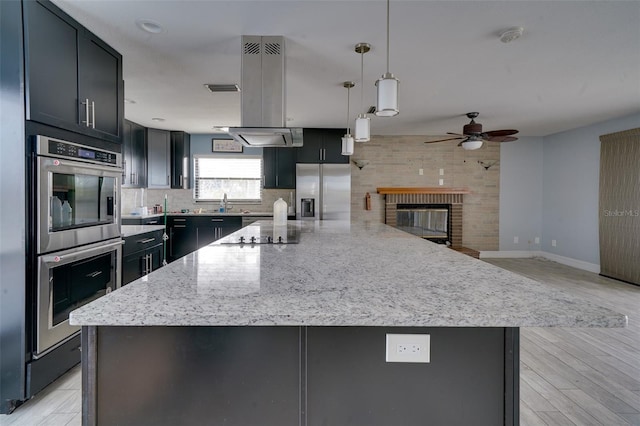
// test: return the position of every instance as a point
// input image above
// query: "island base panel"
(298, 376)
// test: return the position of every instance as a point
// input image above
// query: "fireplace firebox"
(429, 221)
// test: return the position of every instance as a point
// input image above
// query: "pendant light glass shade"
(347, 139)
(471, 144)
(347, 144)
(387, 96)
(363, 128)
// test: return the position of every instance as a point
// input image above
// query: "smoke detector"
(513, 33)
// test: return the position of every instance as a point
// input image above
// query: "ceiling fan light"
(387, 105)
(347, 144)
(471, 144)
(363, 128)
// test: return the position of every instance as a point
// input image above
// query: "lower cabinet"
(189, 233)
(142, 254)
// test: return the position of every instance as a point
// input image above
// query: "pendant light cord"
(348, 97)
(361, 82)
(388, 8)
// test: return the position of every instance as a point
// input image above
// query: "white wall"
(549, 186)
(521, 193)
(571, 173)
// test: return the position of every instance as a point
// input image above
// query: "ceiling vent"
(263, 95)
(217, 88)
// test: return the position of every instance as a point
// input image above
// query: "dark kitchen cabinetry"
(322, 146)
(134, 156)
(73, 79)
(141, 254)
(180, 165)
(279, 168)
(189, 233)
(158, 155)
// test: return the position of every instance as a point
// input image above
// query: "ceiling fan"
(472, 135)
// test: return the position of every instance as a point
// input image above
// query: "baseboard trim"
(519, 254)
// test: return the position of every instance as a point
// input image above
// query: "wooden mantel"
(423, 190)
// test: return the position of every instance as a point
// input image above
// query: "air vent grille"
(272, 48)
(252, 48)
(222, 87)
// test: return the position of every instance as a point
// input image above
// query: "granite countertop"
(131, 230)
(340, 274)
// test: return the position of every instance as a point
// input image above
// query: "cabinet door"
(100, 84)
(132, 267)
(332, 145)
(51, 60)
(311, 150)
(134, 150)
(158, 142)
(180, 165)
(270, 165)
(182, 241)
(286, 168)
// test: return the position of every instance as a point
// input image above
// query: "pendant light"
(347, 139)
(363, 123)
(387, 105)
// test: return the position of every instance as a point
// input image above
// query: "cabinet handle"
(217, 220)
(124, 168)
(145, 241)
(149, 263)
(320, 154)
(324, 154)
(179, 220)
(181, 185)
(277, 180)
(179, 226)
(86, 112)
(152, 222)
(167, 179)
(93, 114)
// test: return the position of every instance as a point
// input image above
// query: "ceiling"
(577, 63)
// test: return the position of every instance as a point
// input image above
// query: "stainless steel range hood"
(263, 95)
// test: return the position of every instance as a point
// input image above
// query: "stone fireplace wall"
(397, 160)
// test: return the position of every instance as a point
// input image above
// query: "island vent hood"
(263, 95)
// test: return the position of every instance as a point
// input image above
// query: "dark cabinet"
(134, 156)
(141, 254)
(189, 233)
(322, 146)
(158, 155)
(73, 79)
(279, 168)
(153, 220)
(180, 164)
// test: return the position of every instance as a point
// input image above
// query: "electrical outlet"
(440, 182)
(408, 348)
(516, 240)
(553, 243)
(441, 172)
(536, 240)
(421, 172)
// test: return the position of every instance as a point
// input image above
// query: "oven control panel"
(63, 149)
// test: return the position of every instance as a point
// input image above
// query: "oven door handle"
(70, 257)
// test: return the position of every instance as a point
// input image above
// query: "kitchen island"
(295, 334)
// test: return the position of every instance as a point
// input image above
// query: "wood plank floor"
(569, 376)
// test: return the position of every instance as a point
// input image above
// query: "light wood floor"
(568, 376)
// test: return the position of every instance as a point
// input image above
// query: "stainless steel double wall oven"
(77, 233)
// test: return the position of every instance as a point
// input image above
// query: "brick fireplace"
(451, 197)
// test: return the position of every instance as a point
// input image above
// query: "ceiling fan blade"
(444, 140)
(505, 132)
(457, 134)
(501, 138)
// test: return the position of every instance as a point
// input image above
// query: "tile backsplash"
(178, 199)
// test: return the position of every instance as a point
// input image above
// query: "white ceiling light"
(387, 105)
(363, 123)
(471, 143)
(511, 34)
(149, 26)
(347, 139)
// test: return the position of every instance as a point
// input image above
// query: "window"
(238, 176)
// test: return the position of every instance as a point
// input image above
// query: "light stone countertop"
(131, 230)
(340, 274)
(193, 213)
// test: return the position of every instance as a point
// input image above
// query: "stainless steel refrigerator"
(323, 191)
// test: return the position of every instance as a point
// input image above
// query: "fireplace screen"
(431, 223)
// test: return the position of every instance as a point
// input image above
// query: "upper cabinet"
(134, 153)
(73, 79)
(322, 146)
(279, 168)
(158, 156)
(180, 165)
